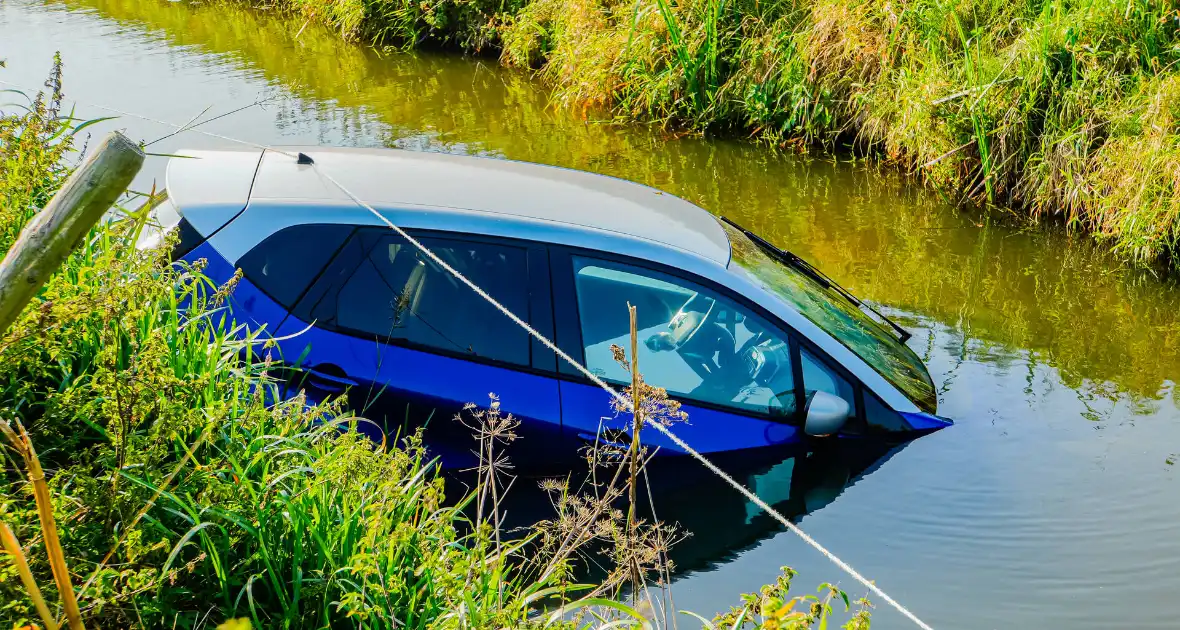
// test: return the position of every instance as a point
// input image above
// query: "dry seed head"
(620, 356)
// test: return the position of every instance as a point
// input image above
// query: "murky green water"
(1052, 502)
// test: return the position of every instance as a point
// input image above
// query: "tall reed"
(12, 547)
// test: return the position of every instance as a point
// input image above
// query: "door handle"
(328, 378)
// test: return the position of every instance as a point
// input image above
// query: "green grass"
(1061, 110)
(28, 182)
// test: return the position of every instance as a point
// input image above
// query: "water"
(1051, 503)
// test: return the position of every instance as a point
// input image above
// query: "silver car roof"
(492, 197)
(217, 181)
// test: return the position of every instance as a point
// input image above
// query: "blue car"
(762, 349)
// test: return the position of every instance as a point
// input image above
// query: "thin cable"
(164, 122)
(189, 126)
(625, 402)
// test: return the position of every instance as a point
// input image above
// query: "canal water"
(1052, 503)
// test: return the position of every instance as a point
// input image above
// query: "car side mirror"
(826, 414)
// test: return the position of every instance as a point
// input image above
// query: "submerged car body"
(760, 349)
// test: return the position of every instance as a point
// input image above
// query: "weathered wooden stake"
(50, 236)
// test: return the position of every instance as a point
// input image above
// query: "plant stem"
(636, 425)
(57, 558)
(12, 546)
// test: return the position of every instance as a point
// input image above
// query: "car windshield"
(829, 310)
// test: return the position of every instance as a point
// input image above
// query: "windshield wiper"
(819, 277)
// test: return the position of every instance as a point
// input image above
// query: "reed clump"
(464, 24)
(1051, 109)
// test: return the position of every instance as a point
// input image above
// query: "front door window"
(818, 377)
(692, 342)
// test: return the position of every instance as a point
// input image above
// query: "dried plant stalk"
(633, 452)
(57, 558)
(12, 546)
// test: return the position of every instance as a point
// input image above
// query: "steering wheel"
(686, 323)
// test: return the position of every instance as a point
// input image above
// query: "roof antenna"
(304, 159)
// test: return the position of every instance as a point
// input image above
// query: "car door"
(737, 375)
(410, 343)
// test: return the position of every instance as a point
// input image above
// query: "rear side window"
(383, 287)
(188, 239)
(289, 260)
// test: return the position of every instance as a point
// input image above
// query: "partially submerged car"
(761, 349)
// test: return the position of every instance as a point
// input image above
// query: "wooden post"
(50, 236)
(636, 411)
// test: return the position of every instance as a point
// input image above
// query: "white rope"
(624, 401)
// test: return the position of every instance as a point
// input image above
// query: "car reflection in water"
(721, 522)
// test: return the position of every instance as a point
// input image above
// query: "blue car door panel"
(390, 385)
(587, 414)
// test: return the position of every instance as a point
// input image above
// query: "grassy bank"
(1051, 109)
(187, 492)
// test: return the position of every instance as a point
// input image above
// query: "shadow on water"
(722, 523)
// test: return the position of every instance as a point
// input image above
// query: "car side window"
(879, 416)
(693, 342)
(286, 262)
(384, 287)
(818, 376)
